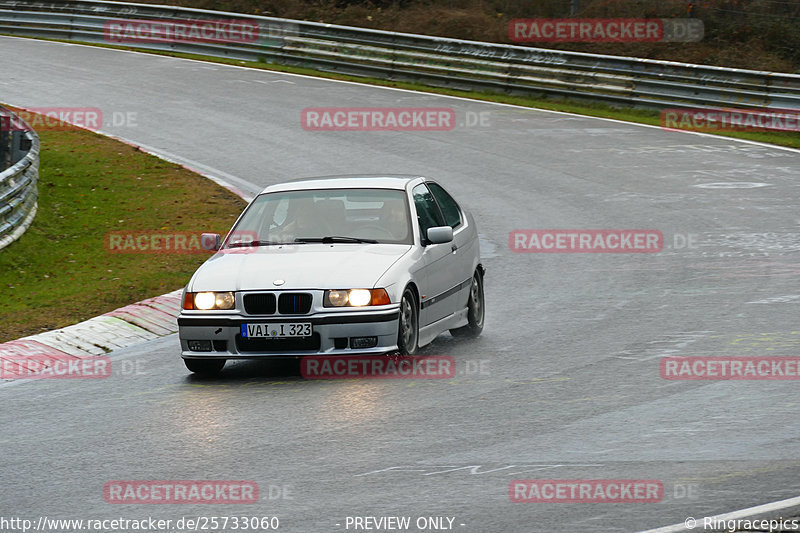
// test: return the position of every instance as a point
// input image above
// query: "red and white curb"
(121, 328)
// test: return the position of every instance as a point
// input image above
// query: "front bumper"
(332, 334)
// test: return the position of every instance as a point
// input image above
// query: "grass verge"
(61, 272)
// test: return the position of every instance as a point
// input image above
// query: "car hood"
(304, 266)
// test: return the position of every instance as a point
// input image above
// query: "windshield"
(327, 215)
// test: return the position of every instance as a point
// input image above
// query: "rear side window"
(428, 213)
(450, 209)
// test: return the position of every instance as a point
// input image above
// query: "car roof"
(346, 181)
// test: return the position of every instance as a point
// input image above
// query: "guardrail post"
(19, 146)
(4, 142)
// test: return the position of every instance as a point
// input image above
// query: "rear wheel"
(408, 330)
(205, 367)
(475, 310)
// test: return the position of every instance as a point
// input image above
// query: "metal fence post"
(4, 142)
(17, 151)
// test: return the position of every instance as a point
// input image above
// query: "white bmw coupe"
(338, 265)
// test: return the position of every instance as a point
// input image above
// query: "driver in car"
(393, 218)
(304, 221)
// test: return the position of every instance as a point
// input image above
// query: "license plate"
(280, 330)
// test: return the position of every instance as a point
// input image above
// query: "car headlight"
(355, 298)
(206, 301)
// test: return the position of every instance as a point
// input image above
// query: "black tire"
(205, 367)
(408, 328)
(476, 310)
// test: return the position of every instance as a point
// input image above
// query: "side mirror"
(210, 241)
(440, 234)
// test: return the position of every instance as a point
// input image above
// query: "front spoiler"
(224, 330)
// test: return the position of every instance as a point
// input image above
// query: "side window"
(450, 209)
(428, 213)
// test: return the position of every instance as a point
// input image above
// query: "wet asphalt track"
(570, 387)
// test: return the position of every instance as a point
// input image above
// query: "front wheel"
(205, 367)
(408, 330)
(475, 310)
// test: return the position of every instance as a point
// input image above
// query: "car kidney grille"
(294, 303)
(259, 304)
(288, 303)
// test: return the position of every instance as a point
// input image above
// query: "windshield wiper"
(335, 238)
(260, 243)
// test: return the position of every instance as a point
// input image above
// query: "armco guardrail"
(430, 60)
(19, 162)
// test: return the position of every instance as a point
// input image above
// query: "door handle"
(454, 248)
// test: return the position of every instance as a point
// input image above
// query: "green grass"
(60, 271)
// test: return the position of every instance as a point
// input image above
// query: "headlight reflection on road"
(354, 401)
(202, 415)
